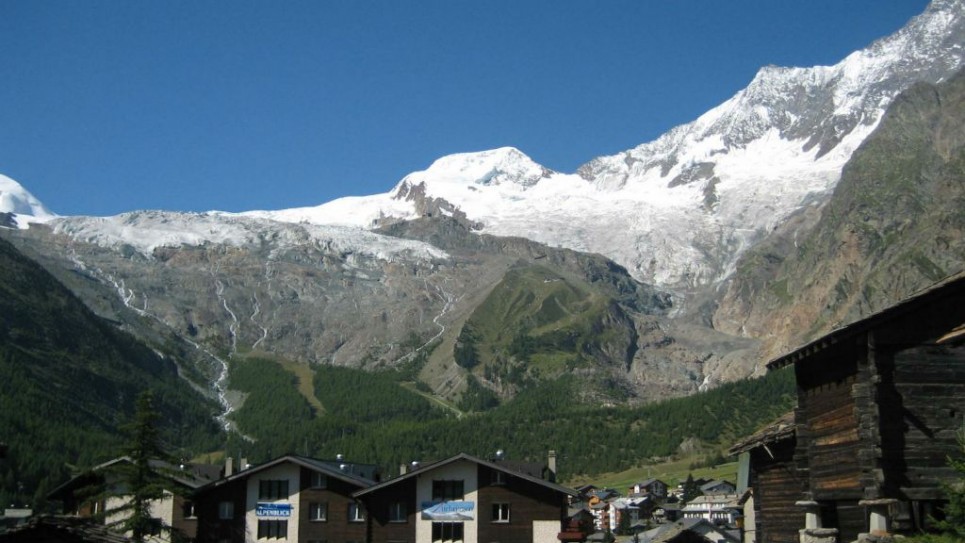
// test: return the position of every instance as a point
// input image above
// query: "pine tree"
(142, 481)
(691, 490)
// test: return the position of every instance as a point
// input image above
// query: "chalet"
(771, 513)
(465, 498)
(666, 512)
(717, 508)
(176, 509)
(291, 498)
(879, 404)
(654, 487)
(718, 487)
(599, 502)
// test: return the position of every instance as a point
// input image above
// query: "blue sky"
(111, 106)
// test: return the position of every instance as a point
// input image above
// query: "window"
(187, 508)
(443, 491)
(273, 489)
(356, 513)
(272, 529)
(499, 478)
(398, 512)
(226, 510)
(319, 480)
(500, 512)
(318, 511)
(447, 531)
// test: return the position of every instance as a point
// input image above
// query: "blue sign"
(273, 510)
(453, 511)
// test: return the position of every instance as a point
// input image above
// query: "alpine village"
(772, 350)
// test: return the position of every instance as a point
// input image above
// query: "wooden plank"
(848, 435)
(834, 418)
(836, 483)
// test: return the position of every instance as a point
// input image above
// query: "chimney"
(551, 464)
(229, 466)
(403, 468)
(243, 465)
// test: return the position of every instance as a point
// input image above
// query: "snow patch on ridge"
(145, 231)
(24, 206)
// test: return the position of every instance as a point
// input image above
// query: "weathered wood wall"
(829, 433)
(778, 485)
(923, 402)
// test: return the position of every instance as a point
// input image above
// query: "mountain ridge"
(663, 229)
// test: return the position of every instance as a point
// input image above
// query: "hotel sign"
(448, 511)
(283, 510)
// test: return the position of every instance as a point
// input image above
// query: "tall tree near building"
(140, 480)
(691, 490)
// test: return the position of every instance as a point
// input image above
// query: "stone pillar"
(813, 531)
(878, 515)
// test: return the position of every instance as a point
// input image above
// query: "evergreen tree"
(141, 478)
(691, 490)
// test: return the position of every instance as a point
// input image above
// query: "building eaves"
(778, 430)
(469, 458)
(952, 285)
(309, 463)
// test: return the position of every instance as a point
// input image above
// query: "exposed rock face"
(338, 296)
(895, 224)
(740, 214)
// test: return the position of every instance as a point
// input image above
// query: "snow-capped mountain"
(679, 211)
(20, 206)
(350, 281)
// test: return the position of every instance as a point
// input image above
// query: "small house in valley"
(465, 498)
(291, 498)
(653, 487)
(101, 493)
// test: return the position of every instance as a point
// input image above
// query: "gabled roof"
(779, 430)
(322, 466)
(468, 458)
(951, 288)
(190, 476)
(716, 482)
(699, 526)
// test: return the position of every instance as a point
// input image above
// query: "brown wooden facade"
(316, 495)
(879, 405)
(778, 480)
(491, 488)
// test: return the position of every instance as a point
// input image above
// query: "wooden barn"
(880, 404)
(778, 481)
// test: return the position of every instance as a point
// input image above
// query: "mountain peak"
(25, 207)
(505, 165)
